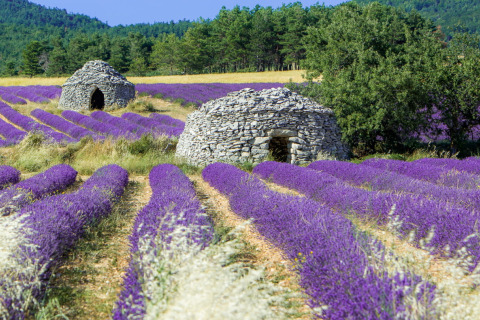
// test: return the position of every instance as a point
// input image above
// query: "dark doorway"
(279, 148)
(98, 100)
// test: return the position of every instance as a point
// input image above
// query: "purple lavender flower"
(55, 179)
(12, 134)
(63, 125)
(8, 175)
(167, 120)
(120, 123)
(331, 255)
(92, 124)
(198, 93)
(31, 125)
(430, 173)
(443, 223)
(173, 197)
(154, 126)
(7, 96)
(53, 225)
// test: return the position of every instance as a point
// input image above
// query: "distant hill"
(22, 22)
(449, 14)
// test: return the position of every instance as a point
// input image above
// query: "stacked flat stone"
(239, 128)
(78, 89)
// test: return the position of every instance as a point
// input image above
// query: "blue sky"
(126, 12)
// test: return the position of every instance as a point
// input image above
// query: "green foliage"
(372, 60)
(31, 58)
(451, 15)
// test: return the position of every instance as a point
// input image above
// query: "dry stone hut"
(96, 86)
(247, 125)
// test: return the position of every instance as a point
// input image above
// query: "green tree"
(374, 62)
(455, 90)
(58, 58)
(166, 54)
(31, 58)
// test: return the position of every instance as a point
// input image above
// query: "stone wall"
(240, 127)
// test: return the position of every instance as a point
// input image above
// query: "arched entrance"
(98, 100)
(278, 147)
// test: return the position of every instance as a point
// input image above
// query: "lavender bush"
(48, 228)
(198, 93)
(167, 120)
(31, 125)
(55, 179)
(469, 165)
(7, 96)
(332, 257)
(383, 180)
(11, 133)
(154, 126)
(8, 175)
(172, 204)
(430, 173)
(92, 124)
(437, 226)
(63, 125)
(120, 123)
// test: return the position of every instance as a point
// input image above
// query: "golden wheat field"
(247, 77)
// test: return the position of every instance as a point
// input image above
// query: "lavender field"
(331, 226)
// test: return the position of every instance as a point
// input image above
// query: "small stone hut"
(96, 86)
(247, 125)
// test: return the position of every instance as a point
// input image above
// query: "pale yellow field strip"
(247, 77)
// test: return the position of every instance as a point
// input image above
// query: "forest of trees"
(240, 39)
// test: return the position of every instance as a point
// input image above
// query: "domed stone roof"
(94, 72)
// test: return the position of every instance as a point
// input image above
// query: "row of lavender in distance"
(39, 94)
(120, 123)
(470, 165)
(172, 203)
(52, 180)
(417, 170)
(50, 227)
(11, 134)
(10, 98)
(92, 124)
(8, 175)
(198, 93)
(30, 125)
(63, 125)
(154, 126)
(442, 228)
(383, 180)
(331, 256)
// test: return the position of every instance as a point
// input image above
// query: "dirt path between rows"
(87, 284)
(277, 265)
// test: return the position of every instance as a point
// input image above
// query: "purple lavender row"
(92, 124)
(198, 93)
(55, 179)
(120, 123)
(383, 180)
(29, 93)
(7, 96)
(54, 225)
(11, 134)
(30, 125)
(430, 173)
(469, 165)
(172, 203)
(63, 125)
(8, 175)
(155, 127)
(454, 227)
(333, 256)
(167, 120)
